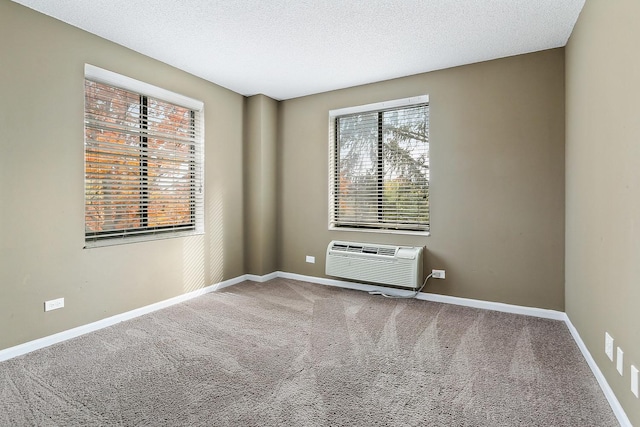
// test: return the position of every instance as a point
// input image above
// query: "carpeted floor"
(288, 353)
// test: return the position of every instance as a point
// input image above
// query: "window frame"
(146, 91)
(334, 163)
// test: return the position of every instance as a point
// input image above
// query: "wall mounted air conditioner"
(382, 264)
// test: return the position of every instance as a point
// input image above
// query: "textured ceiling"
(290, 48)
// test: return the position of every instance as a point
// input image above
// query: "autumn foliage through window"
(141, 164)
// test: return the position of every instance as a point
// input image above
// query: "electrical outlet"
(634, 380)
(437, 274)
(311, 259)
(53, 304)
(619, 360)
(608, 345)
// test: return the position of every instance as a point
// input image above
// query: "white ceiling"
(290, 48)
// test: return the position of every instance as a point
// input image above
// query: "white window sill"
(136, 239)
(382, 231)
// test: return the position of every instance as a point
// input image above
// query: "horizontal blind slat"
(143, 173)
(379, 167)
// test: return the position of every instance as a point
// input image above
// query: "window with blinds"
(143, 161)
(379, 166)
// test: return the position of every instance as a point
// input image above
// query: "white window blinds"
(379, 166)
(143, 163)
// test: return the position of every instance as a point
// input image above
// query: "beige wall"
(41, 185)
(497, 178)
(261, 119)
(603, 186)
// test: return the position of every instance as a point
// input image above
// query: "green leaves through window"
(380, 168)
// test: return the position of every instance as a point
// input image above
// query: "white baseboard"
(604, 385)
(30, 346)
(467, 302)
(495, 306)
(262, 279)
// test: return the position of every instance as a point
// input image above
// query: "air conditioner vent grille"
(381, 264)
(386, 251)
(361, 249)
(339, 247)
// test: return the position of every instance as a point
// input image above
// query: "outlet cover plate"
(634, 380)
(620, 360)
(311, 259)
(53, 304)
(608, 345)
(437, 274)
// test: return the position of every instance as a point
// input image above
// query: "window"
(143, 155)
(379, 166)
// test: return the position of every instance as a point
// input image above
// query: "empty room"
(336, 213)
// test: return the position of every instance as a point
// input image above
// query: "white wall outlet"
(53, 304)
(437, 274)
(311, 259)
(634, 380)
(608, 345)
(620, 360)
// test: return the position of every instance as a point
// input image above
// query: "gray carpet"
(288, 353)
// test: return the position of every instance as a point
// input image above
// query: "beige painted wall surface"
(603, 186)
(497, 178)
(41, 182)
(261, 118)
